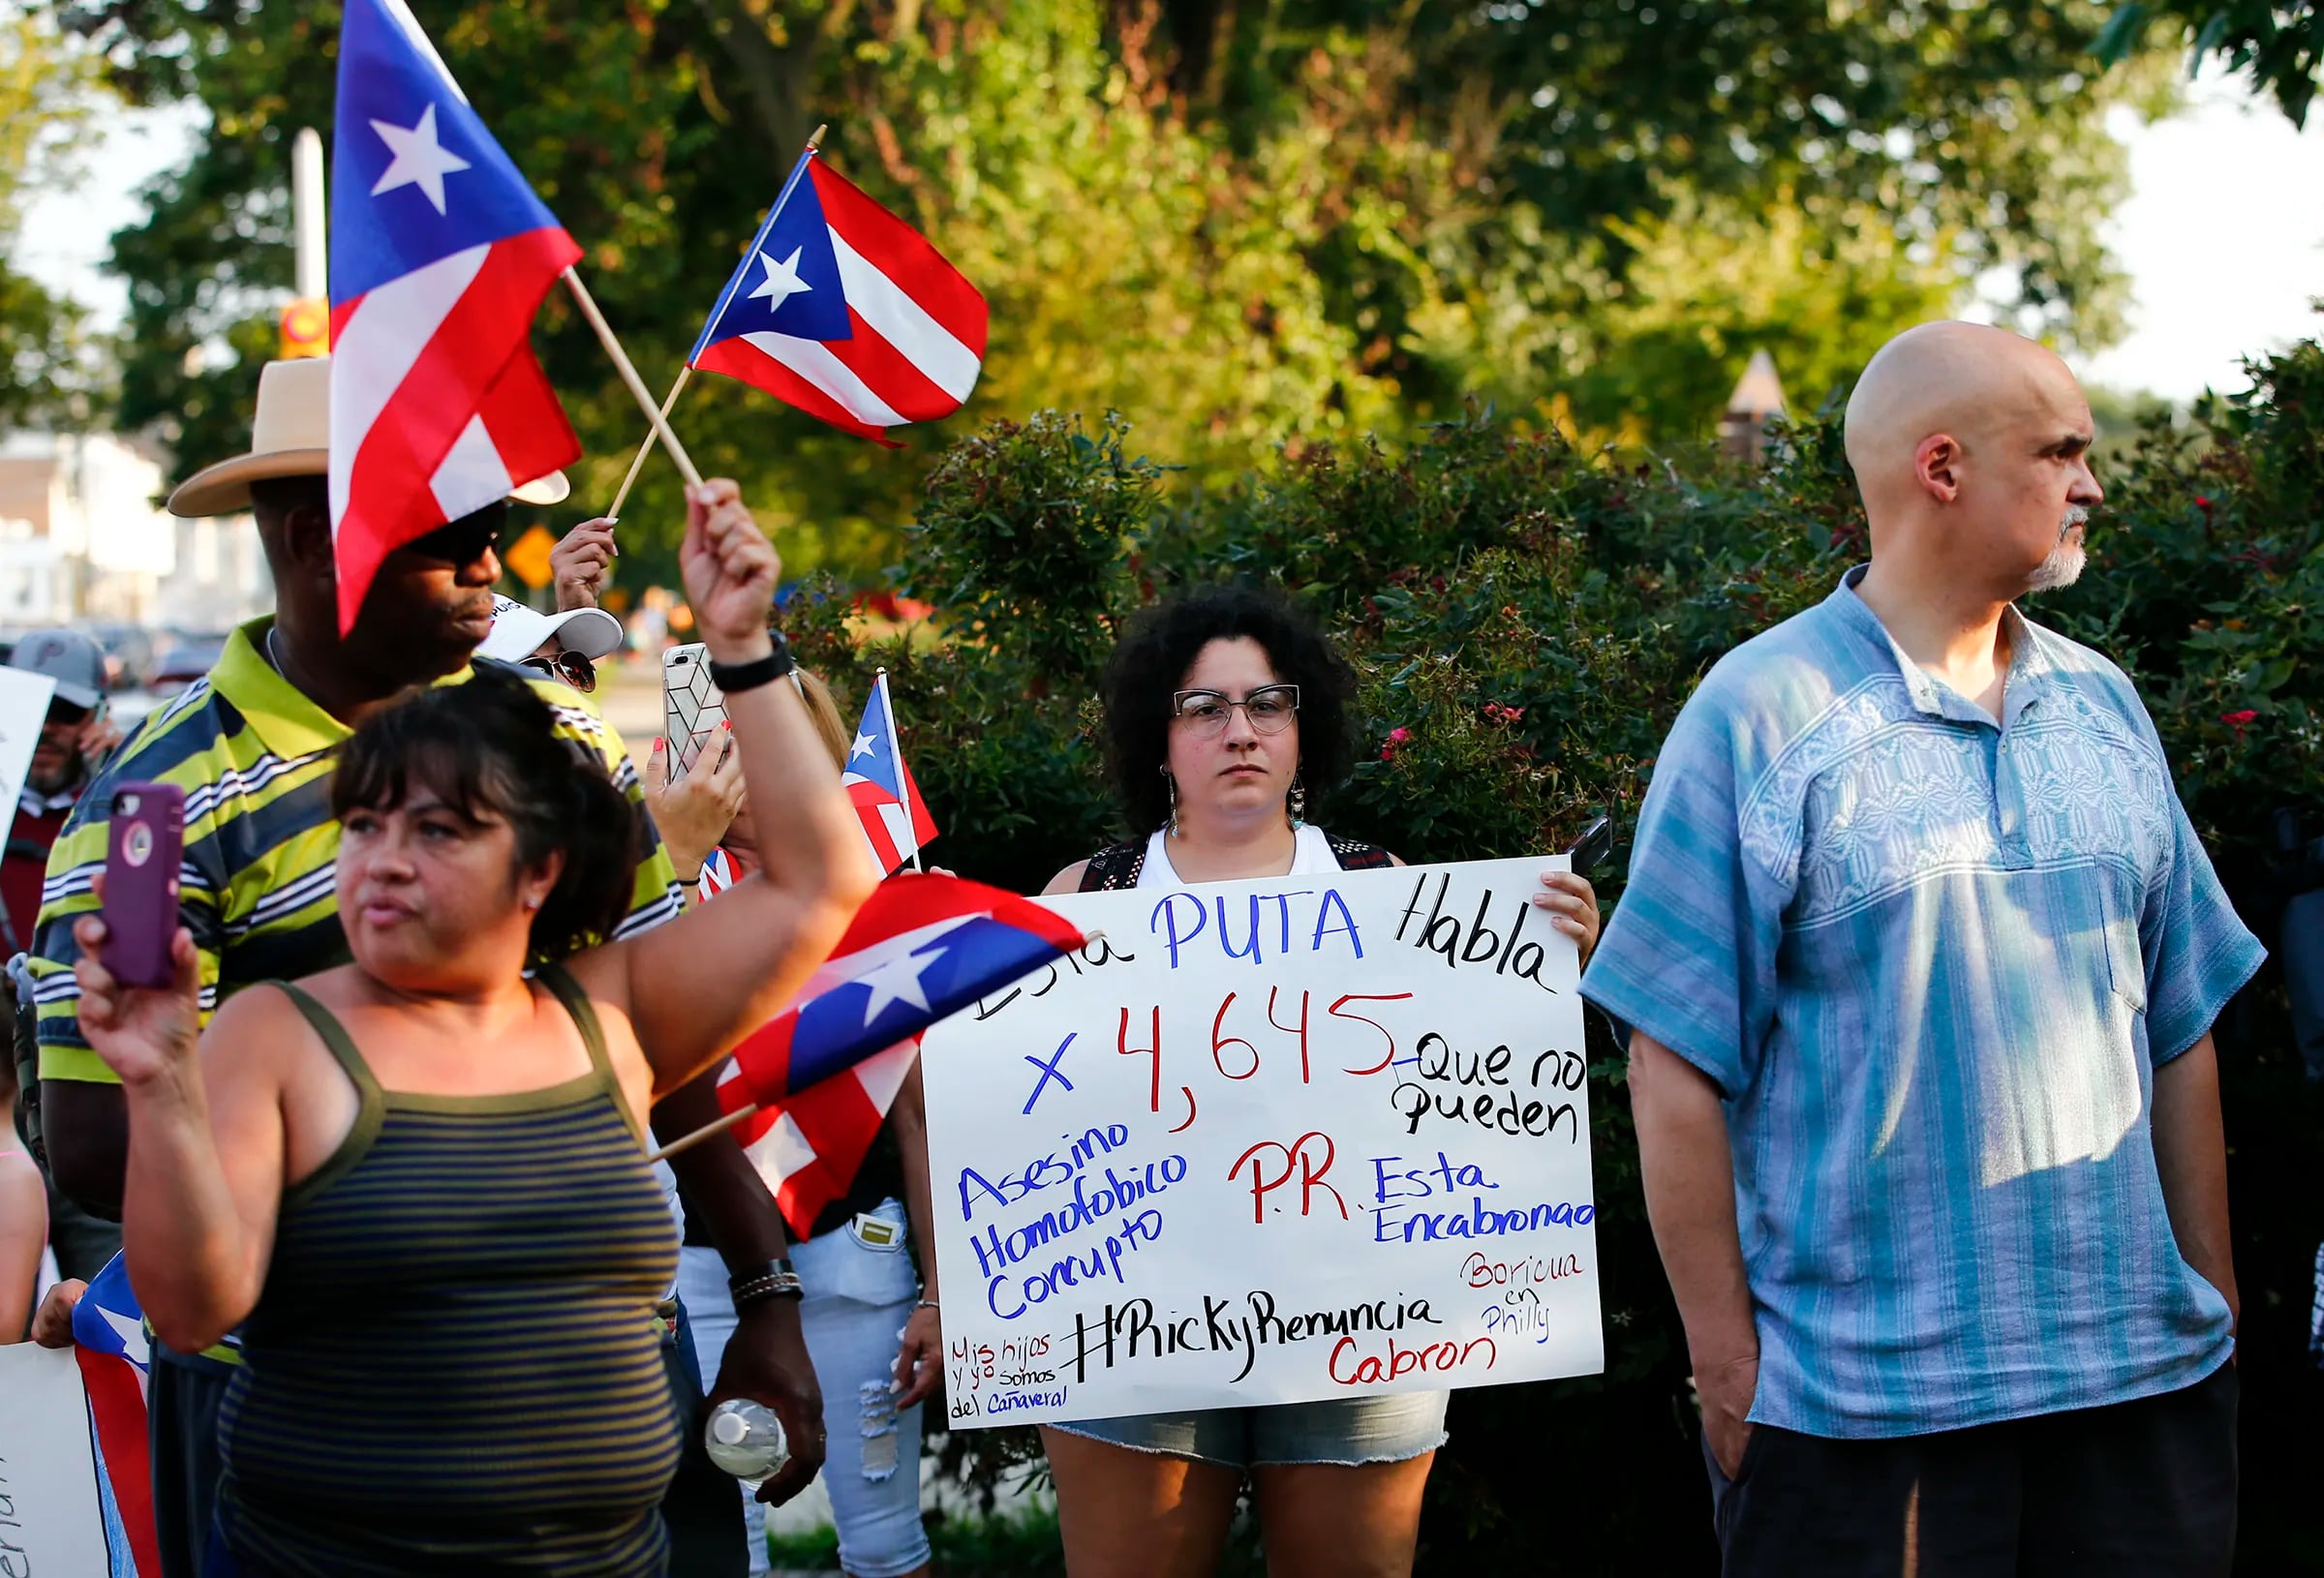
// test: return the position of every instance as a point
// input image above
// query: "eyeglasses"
(1271, 709)
(572, 667)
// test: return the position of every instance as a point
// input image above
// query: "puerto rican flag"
(824, 1071)
(440, 257)
(845, 310)
(115, 1354)
(896, 824)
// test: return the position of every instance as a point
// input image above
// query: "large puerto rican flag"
(824, 1071)
(439, 256)
(896, 823)
(845, 310)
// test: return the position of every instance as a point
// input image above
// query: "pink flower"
(1397, 737)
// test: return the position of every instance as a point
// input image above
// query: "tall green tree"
(2279, 47)
(46, 371)
(1239, 221)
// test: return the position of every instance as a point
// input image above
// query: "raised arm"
(695, 987)
(1686, 1164)
(206, 1142)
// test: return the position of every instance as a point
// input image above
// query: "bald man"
(1923, 958)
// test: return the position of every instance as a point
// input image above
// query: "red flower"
(2203, 502)
(2239, 721)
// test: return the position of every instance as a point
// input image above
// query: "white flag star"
(898, 981)
(135, 1348)
(783, 280)
(864, 746)
(419, 159)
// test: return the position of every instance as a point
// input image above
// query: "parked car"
(180, 666)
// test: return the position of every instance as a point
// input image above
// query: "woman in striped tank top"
(418, 1185)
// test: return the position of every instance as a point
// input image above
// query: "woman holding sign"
(419, 1183)
(1222, 710)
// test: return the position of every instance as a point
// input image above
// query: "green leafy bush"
(1527, 619)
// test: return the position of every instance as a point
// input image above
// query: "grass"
(1019, 1544)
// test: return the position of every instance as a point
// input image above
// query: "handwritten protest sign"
(50, 1521)
(24, 707)
(1269, 1142)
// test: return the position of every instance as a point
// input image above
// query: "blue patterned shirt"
(1931, 963)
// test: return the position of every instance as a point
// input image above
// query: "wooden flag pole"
(711, 1129)
(661, 423)
(707, 1131)
(637, 385)
(646, 448)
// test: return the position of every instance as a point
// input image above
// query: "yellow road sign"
(528, 556)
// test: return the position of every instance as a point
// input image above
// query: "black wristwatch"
(759, 1283)
(736, 678)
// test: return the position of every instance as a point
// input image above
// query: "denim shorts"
(1341, 1430)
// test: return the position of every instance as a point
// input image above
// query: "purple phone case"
(142, 849)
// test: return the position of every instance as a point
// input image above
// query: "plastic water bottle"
(747, 1441)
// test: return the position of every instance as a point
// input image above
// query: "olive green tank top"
(455, 1365)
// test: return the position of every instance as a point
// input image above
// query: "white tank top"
(1310, 856)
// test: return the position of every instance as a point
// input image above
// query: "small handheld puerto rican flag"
(110, 1342)
(845, 310)
(896, 824)
(824, 1071)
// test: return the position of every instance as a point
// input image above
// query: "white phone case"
(693, 706)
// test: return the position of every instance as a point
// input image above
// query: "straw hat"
(290, 437)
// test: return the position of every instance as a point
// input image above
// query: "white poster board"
(23, 707)
(50, 1521)
(1268, 1142)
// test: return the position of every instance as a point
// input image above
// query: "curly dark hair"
(491, 747)
(1161, 644)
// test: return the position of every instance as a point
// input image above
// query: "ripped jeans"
(858, 1295)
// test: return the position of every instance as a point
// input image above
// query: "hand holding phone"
(139, 1008)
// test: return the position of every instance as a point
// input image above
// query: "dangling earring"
(1299, 803)
(1173, 801)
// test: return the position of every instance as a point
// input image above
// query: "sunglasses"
(463, 541)
(572, 668)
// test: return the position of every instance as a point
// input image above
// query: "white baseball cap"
(517, 632)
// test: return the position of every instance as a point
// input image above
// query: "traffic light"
(306, 328)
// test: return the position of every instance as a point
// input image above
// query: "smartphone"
(143, 850)
(692, 705)
(1589, 851)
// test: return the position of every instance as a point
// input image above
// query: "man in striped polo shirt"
(251, 744)
(1922, 958)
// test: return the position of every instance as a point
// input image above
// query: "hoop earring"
(1174, 803)
(1298, 802)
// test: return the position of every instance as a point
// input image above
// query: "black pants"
(2145, 1487)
